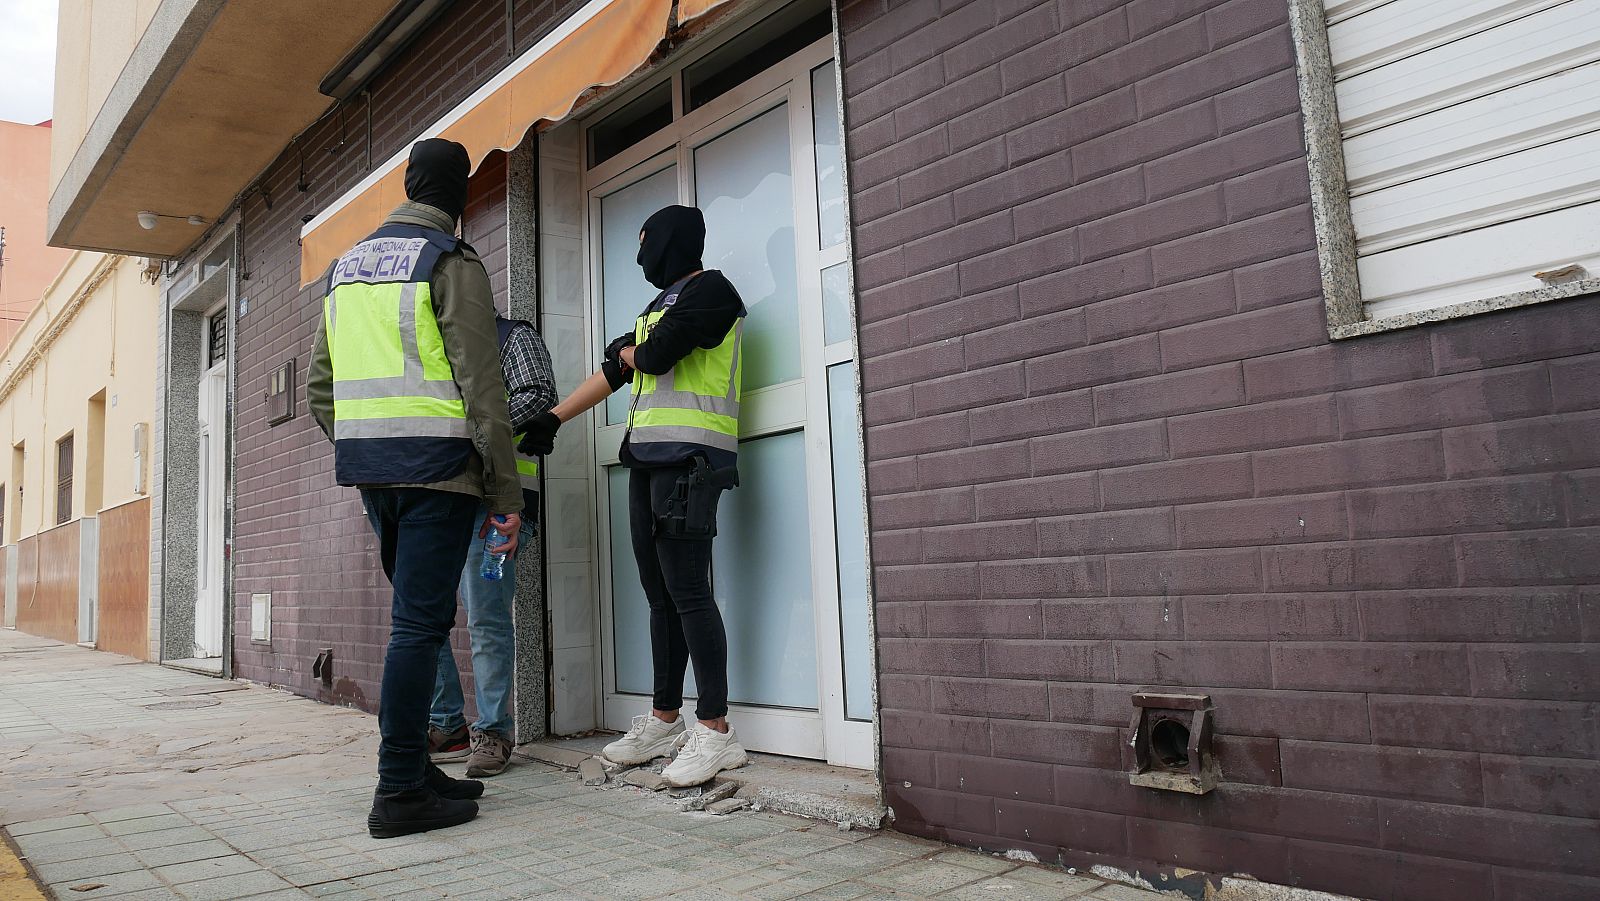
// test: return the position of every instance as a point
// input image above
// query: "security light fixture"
(391, 36)
(148, 220)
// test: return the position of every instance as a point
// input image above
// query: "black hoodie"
(706, 307)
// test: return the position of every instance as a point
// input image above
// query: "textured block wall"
(1110, 446)
(299, 535)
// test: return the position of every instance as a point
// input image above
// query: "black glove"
(615, 348)
(540, 438)
(616, 374)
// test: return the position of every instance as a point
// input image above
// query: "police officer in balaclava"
(432, 468)
(683, 361)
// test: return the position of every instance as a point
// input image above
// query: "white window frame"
(1330, 201)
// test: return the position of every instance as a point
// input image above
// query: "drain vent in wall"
(322, 667)
(1172, 743)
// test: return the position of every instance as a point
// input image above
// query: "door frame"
(825, 732)
(203, 283)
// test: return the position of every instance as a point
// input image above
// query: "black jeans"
(423, 537)
(685, 623)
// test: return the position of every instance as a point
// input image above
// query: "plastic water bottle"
(494, 559)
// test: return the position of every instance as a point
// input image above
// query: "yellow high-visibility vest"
(398, 415)
(696, 402)
(527, 467)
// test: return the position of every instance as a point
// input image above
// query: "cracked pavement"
(126, 780)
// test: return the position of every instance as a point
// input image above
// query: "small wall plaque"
(261, 617)
(280, 394)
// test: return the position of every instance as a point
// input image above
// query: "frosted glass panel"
(743, 183)
(762, 577)
(835, 304)
(624, 292)
(630, 613)
(849, 525)
(830, 161)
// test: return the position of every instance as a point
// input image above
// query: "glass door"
(762, 161)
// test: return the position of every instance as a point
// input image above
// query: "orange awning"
(694, 9)
(544, 85)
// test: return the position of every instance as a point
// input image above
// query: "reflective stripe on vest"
(391, 378)
(527, 467)
(694, 402)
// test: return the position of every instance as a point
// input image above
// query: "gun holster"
(691, 508)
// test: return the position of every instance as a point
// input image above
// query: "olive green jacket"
(464, 305)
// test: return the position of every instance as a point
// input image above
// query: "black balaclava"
(674, 239)
(437, 175)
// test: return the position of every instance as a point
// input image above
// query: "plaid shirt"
(530, 379)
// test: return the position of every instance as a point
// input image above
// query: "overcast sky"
(27, 59)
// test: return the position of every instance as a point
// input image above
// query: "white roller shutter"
(1472, 144)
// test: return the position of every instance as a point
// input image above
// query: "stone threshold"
(804, 788)
(201, 666)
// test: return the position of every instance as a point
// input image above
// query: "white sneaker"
(705, 753)
(648, 739)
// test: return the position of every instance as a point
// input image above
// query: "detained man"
(681, 446)
(486, 745)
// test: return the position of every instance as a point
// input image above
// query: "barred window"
(217, 338)
(64, 479)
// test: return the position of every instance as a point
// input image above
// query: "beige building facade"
(94, 40)
(78, 381)
(116, 62)
(77, 393)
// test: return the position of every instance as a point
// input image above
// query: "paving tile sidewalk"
(136, 782)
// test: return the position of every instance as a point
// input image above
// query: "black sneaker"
(418, 810)
(452, 789)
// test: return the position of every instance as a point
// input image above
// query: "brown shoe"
(491, 753)
(444, 747)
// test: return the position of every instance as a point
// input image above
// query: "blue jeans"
(493, 645)
(422, 540)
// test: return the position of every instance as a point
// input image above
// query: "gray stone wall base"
(11, 586)
(88, 579)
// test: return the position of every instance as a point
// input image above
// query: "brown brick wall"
(47, 583)
(1111, 446)
(122, 623)
(297, 534)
